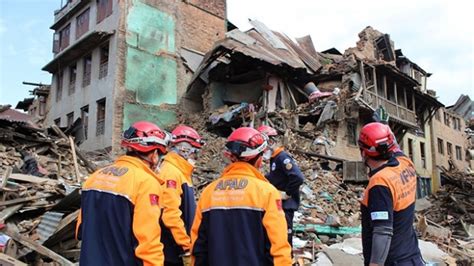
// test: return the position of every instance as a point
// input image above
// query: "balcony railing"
(392, 108)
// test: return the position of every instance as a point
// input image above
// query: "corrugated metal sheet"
(13, 115)
(48, 225)
(268, 35)
(262, 44)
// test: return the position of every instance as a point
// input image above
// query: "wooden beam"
(91, 166)
(9, 211)
(34, 179)
(405, 97)
(38, 248)
(6, 175)
(330, 158)
(362, 83)
(7, 260)
(21, 200)
(74, 160)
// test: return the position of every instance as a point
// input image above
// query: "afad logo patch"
(154, 199)
(279, 204)
(170, 183)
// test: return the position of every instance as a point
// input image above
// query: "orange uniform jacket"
(179, 206)
(239, 221)
(119, 219)
(389, 200)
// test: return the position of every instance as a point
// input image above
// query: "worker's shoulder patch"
(279, 204)
(287, 161)
(171, 183)
(154, 199)
(379, 215)
(274, 166)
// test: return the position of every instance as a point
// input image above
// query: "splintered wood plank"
(21, 200)
(34, 179)
(9, 261)
(74, 159)
(6, 175)
(6, 213)
(38, 248)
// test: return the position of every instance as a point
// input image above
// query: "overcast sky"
(437, 35)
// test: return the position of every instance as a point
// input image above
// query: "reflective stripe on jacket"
(240, 221)
(119, 218)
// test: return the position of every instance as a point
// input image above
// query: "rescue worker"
(120, 204)
(178, 195)
(239, 218)
(285, 175)
(388, 203)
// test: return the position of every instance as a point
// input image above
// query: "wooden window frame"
(82, 23)
(86, 72)
(64, 37)
(85, 119)
(104, 9)
(59, 86)
(100, 119)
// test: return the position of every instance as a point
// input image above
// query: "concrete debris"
(433, 255)
(448, 221)
(41, 178)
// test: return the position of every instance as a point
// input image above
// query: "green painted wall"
(135, 112)
(150, 29)
(152, 78)
(151, 70)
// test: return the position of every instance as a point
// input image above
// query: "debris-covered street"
(148, 84)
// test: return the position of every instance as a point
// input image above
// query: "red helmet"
(144, 137)
(245, 144)
(267, 130)
(184, 133)
(376, 140)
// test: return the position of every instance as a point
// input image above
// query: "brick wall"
(449, 134)
(215, 7)
(198, 29)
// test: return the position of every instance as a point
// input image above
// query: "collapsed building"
(251, 76)
(318, 100)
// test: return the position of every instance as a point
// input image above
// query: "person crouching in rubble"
(285, 175)
(178, 195)
(120, 204)
(239, 218)
(388, 203)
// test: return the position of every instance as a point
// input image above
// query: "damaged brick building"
(251, 76)
(121, 61)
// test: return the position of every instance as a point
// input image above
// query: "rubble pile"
(51, 154)
(329, 208)
(41, 173)
(449, 221)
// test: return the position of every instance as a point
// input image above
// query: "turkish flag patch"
(279, 204)
(154, 199)
(170, 183)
